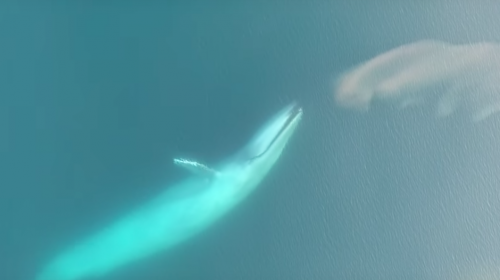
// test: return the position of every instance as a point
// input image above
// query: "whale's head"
(274, 134)
(264, 149)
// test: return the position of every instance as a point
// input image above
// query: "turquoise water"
(96, 100)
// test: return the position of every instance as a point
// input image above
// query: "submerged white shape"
(465, 77)
(184, 209)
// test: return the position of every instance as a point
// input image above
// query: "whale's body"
(184, 209)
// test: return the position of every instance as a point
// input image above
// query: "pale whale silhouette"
(183, 210)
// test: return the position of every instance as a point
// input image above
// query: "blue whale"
(183, 210)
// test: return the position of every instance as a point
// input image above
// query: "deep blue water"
(96, 99)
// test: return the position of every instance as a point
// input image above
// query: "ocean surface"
(96, 98)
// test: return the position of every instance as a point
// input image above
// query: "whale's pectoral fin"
(195, 167)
